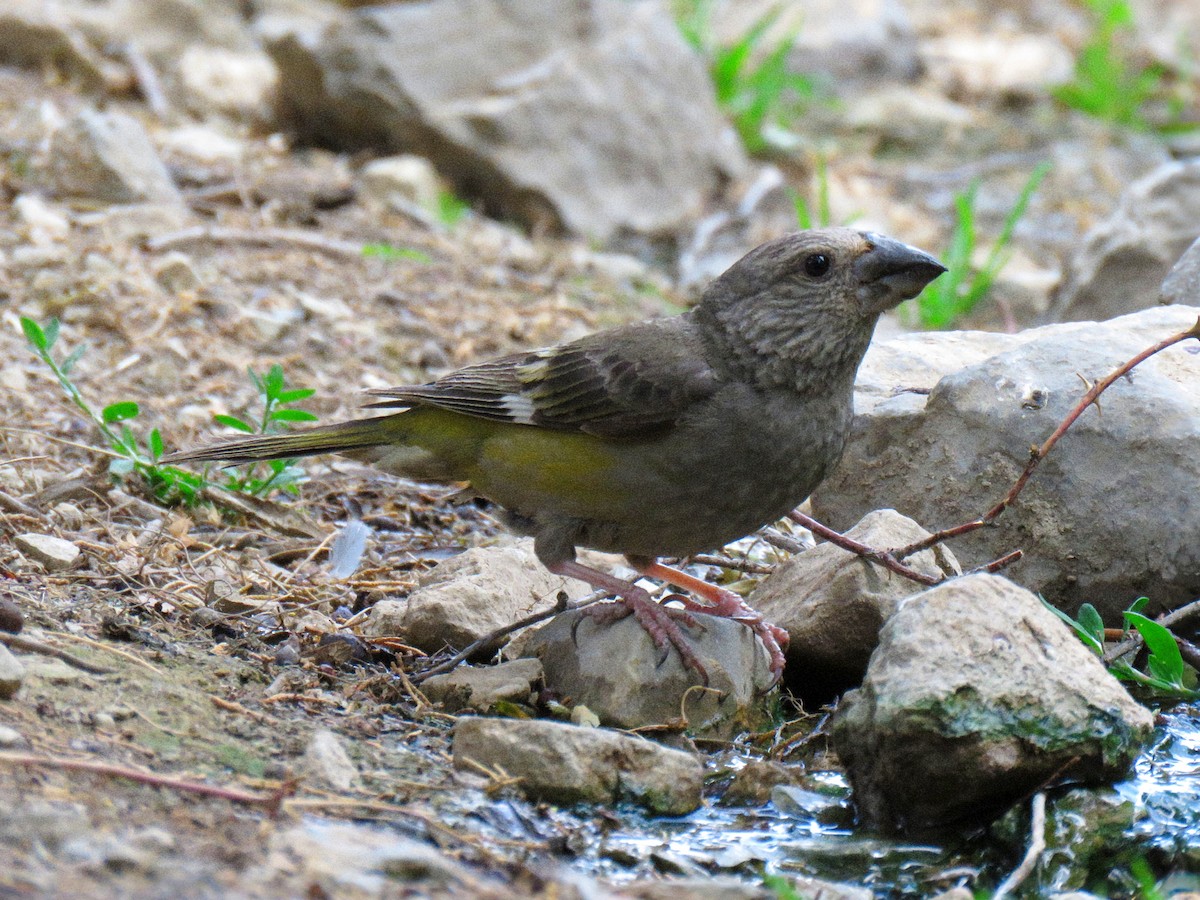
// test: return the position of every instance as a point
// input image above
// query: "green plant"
(167, 483)
(1109, 84)
(392, 253)
(754, 85)
(964, 286)
(451, 209)
(130, 456)
(1165, 673)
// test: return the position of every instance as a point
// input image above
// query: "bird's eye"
(817, 264)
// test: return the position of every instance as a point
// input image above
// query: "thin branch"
(883, 557)
(728, 562)
(260, 237)
(1037, 846)
(1037, 454)
(270, 802)
(29, 645)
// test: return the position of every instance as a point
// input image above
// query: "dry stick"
(1037, 845)
(270, 802)
(882, 557)
(1037, 454)
(29, 645)
(262, 237)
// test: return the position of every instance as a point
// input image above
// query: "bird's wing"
(625, 383)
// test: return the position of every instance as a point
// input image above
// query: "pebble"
(55, 554)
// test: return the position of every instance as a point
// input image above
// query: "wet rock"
(471, 595)
(614, 670)
(326, 762)
(512, 107)
(12, 673)
(976, 695)
(342, 859)
(1182, 284)
(1124, 259)
(108, 156)
(698, 888)
(55, 554)
(568, 764)
(833, 603)
(481, 688)
(752, 783)
(1093, 528)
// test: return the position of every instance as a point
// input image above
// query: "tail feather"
(339, 438)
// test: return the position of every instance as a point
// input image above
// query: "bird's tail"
(339, 438)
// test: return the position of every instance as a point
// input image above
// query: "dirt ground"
(226, 643)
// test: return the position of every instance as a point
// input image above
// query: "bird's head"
(803, 306)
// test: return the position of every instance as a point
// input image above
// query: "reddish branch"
(271, 802)
(893, 559)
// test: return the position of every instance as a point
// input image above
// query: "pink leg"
(721, 602)
(657, 620)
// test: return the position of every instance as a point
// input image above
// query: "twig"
(270, 802)
(13, 505)
(99, 646)
(261, 237)
(1002, 563)
(488, 639)
(882, 557)
(1174, 617)
(147, 79)
(29, 645)
(1037, 454)
(1037, 845)
(728, 562)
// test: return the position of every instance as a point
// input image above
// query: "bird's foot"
(721, 602)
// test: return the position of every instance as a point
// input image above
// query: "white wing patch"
(519, 407)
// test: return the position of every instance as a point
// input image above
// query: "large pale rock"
(54, 553)
(1109, 515)
(833, 603)
(569, 764)
(1182, 284)
(976, 695)
(613, 669)
(108, 156)
(471, 595)
(1124, 258)
(529, 113)
(481, 688)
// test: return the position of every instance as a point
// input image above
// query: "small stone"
(567, 764)
(11, 619)
(482, 688)
(69, 515)
(55, 554)
(108, 156)
(411, 177)
(12, 673)
(327, 762)
(175, 273)
(10, 737)
(44, 224)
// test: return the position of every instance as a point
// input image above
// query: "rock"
(566, 764)
(698, 888)
(341, 859)
(9, 737)
(12, 673)
(998, 66)
(412, 178)
(1123, 259)
(912, 117)
(28, 824)
(752, 783)
(1182, 284)
(529, 115)
(842, 43)
(833, 603)
(975, 697)
(108, 156)
(614, 670)
(471, 595)
(175, 273)
(327, 762)
(482, 688)
(55, 554)
(37, 35)
(44, 224)
(1092, 527)
(234, 83)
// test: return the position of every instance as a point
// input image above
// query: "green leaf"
(1090, 621)
(233, 422)
(274, 381)
(1139, 604)
(1084, 635)
(296, 395)
(1165, 662)
(51, 333)
(73, 357)
(119, 412)
(155, 444)
(34, 334)
(292, 415)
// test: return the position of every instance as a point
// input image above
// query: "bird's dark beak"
(891, 272)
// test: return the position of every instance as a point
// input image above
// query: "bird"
(663, 438)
